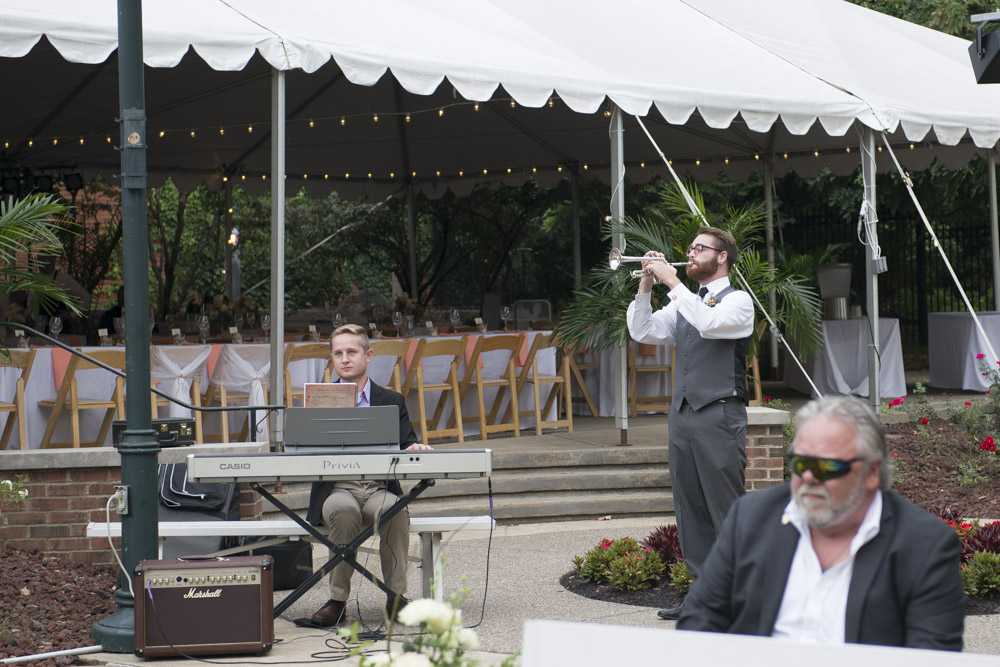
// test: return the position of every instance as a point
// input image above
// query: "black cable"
(489, 547)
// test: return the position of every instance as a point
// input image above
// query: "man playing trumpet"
(708, 415)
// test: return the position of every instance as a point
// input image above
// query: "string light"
(370, 175)
(786, 156)
(879, 149)
(911, 147)
(413, 175)
(192, 134)
(81, 141)
(30, 143)
(440, 112)
(347, 176)
(642, 165)
(815, 153)
(6, 145)
(225, 179)
(508, 170)
(343, 121)
(551, 103)
(407, 117)
(461, 173)
(305, 177)
(55, 142)
(326, 177)
(727, 160)
(848, 149)
(475, 107)
(586, 167)
(485, 172)
(243, 177)
(392, 174)
(263, 177)
(162, 133)
(559, 169)
(250, 129)
(534, 170)
(311, 123)
(222, 131)
(697, 163)
(513, 105)
(375, 118)
(756, 156)
(438, 174)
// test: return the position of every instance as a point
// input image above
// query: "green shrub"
(680, 579)
(621, 563)
(981, 574)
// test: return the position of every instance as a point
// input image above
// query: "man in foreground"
(834, 556)
(344, 507)
(708, 417)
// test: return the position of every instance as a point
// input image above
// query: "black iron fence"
(917, 281)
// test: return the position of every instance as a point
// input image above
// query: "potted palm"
(596, 317)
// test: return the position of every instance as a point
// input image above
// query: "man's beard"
(701, 270)
(824, 514)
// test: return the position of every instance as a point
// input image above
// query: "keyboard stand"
(341, 552)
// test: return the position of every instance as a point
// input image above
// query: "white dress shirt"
(814, 607)
(730, 318)
(364, 396)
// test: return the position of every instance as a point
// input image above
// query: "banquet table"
(953, 341)
(841, 365)
(218, 363)
(601, 380)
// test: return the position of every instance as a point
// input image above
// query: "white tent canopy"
(726, 85)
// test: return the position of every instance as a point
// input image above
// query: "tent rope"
(937, 244)
(775, 331)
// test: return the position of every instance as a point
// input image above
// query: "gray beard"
(826, 515)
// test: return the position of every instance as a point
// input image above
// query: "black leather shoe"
(671, 613)
(329, 614)
(394, 606)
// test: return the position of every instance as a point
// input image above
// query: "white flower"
(23, 493)
(6, 482)
(382, 659)
(468, 639)
(437, 616)
(411, 660)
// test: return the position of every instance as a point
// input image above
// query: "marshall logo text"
(194, 594)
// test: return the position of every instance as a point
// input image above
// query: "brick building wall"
(765, 456)
(67, 489)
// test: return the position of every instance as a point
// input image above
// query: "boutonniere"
(710, 301)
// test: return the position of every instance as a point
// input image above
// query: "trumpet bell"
(615, 259)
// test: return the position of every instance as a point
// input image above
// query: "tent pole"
(871, 270)
(411, 227)
(991, 162)
(277, 380)
(575, 197)
(617, 213)
(772, 301)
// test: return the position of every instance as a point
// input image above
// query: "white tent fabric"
(725, 86)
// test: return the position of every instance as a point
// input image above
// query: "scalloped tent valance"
(725, 86)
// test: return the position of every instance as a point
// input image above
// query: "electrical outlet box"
(121, 500)
(880, 265)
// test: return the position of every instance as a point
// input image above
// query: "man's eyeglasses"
(822, 469)
(697, 249)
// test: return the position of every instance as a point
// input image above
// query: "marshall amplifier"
(215, 606)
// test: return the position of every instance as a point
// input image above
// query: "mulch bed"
(931, 480)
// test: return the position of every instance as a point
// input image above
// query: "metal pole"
(871, 270)
(617, 213)
(139, 447)
(772, 300)
(991, 161)
(277, 375)
(411, 227)
(575, 195)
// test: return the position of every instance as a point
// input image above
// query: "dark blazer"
(905, 590)
(407, 436)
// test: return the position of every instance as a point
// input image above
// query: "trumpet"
(615, 259)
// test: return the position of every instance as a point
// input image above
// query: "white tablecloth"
(841, 366)
(953, 341)
(601, 380)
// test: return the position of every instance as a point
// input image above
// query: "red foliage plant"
(666, 543)
(985, 538)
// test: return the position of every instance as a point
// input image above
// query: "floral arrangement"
(442, 641)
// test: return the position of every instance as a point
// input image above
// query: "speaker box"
(217, 606)
(987, 68)
(293, 562)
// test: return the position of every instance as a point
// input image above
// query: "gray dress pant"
(346, 510)
(707, 457)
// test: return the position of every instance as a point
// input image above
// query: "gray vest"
(708, 369)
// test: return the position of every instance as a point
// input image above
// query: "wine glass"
(204, 324)
(505, 316)
(55, 326)
(455, 318)
(397, 320)
(238, 321)
(251, 319)
(338, 320)
(265, 324)
(409, 325)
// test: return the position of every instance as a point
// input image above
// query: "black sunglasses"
(822, 469)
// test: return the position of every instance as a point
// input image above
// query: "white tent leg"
(277, 381)
(617, 213)
(991, 178)
(772, 300)
(871, 274)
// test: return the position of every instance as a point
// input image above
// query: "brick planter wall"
(67, 489)
(765, 450)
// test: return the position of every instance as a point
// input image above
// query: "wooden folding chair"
(255, 356)
(753, 369)
(22, 359)
(655, 402)
(504, 382)
(300, 352)
(451, 351)
(560, 386)
(68, 392)
(400, 382)
(576, 367)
